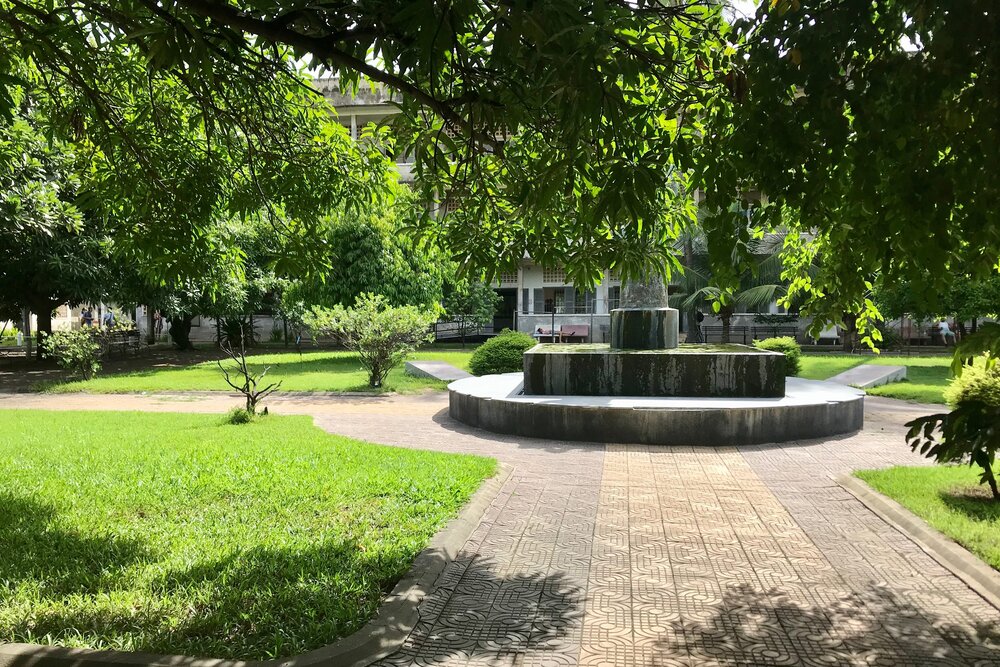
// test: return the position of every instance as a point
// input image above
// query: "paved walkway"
(660, 557)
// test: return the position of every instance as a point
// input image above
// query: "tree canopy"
(574, 131)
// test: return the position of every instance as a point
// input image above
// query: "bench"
(545, 335)
(762, 331)
(574, 333)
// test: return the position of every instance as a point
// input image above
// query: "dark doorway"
(504, 316)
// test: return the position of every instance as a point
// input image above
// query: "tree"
(50, 253)
(567, 120)
(470, 305)
(381, 334)
(566, 116)
(760, 282)
(873, 122)
(373, 253)
(249, 381)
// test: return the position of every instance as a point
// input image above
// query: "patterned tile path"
(655, 557)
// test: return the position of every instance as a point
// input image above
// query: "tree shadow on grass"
(266, 603)
(875, 627)
(975, 502)
(35, 548)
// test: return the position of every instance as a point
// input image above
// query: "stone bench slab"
(437, 370)
(867, 376)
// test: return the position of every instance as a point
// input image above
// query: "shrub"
(788, 347)
(971, 431)
(380, 333)
(501, 354)
(238, 416)
(76, 351)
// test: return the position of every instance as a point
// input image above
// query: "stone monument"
(644, 321)
(644, 358)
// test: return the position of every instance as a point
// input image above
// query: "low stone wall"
(811, 409)
(696, 371)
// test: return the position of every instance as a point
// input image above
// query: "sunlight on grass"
(310, 371)
(175, 533)
(926, 380)
(950, 499)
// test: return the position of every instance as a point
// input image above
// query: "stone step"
(438, 370)
(867, 376)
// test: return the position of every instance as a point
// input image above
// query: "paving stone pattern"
(661, 557)
(639, 555)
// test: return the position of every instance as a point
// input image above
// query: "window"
(508, 278)
(614, 297)
(553, 274)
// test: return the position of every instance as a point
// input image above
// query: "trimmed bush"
(501, 354)
(967, 434)
(788, 347)
(381, 334)
(975, 385)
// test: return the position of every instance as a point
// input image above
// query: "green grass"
(950, 499)
(176, 533)
(311, 371)
(926, 377)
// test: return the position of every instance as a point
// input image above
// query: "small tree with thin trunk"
(971, 431)
(380, 333)
(245, 378)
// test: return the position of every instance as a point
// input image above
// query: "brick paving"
(660, 557)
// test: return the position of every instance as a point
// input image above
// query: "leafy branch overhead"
(573, 131)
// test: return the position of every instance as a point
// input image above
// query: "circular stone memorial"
(645, 388)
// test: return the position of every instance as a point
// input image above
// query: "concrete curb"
(867, 376)
(955, 558)
(380, 637)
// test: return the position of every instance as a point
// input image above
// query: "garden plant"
(504, 353)
(381, 334)
(971, 431)
(77, 350)
(787, 346)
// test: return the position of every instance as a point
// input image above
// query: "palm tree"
(759, 282)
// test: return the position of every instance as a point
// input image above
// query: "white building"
(535, 299)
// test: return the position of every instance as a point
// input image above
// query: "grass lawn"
(310, 371)
(176, 533)
(926, 377)
(950, 499)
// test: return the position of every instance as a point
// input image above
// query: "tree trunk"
(43, 315)
(180, 331)
(992, 481)
(150, 327)
(850, 332)
(727, 320)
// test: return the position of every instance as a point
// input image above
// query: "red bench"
(574, 333)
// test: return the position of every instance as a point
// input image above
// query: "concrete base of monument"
(809, 409)
(710, 371)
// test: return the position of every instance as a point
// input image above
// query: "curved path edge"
(380, 637)
(961, 562)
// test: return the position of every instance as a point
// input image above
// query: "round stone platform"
(809, 409)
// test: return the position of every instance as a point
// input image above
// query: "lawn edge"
(380, 637)
(955, 558)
